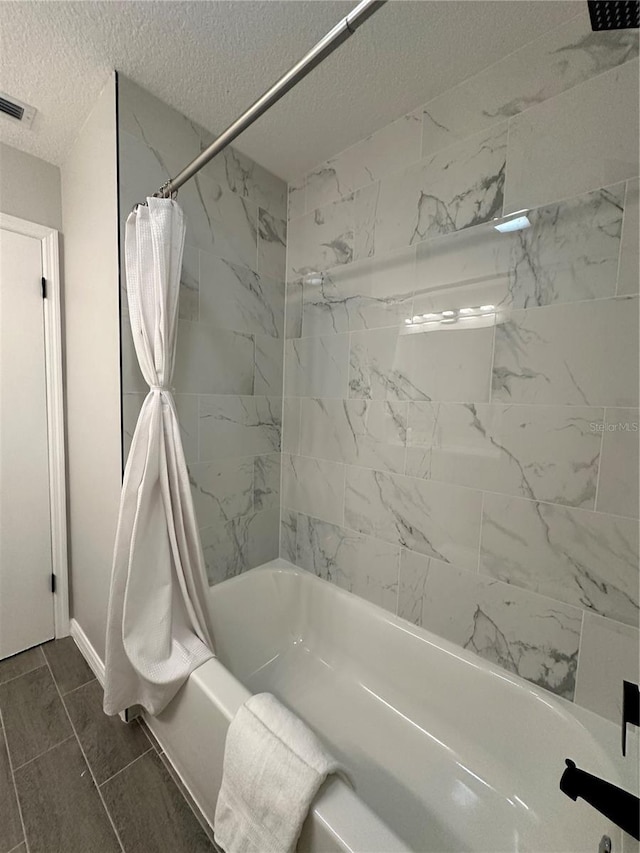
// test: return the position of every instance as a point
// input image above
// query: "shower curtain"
(157, 630)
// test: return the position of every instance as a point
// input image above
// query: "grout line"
(79, 687)
(16, 677)
(18, 846)
(480, 534)
(600, 452)
(44, 752)
(91, 773)
(625, 222)
(577, 672)
(126, 767)
(13, 780)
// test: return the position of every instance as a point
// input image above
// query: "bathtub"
(445, 751)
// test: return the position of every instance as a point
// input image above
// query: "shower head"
(614, 14)
(314, 279)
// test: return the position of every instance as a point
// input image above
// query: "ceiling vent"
(16, 110)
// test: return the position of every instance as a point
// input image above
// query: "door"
(26, 597)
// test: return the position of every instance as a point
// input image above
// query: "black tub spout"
(621, 807)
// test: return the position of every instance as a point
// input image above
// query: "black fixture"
(630, 709)
(614, 14)
(616, 804)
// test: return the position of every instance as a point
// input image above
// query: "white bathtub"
(446, 752)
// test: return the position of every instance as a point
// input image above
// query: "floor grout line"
(22, 674)
(15, 787)
(86, 760)
(44, 752)
(127, 766)
(79, 687)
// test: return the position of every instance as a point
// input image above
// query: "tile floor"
(75, 781)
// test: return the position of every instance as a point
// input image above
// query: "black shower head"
(614, 14)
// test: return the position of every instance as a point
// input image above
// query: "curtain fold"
(157, 624)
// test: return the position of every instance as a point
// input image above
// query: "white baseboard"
(88, 652)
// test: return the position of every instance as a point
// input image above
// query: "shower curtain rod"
(319, 52)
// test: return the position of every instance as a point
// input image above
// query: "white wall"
(90, 225)
(29, 187)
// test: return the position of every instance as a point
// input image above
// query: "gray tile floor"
(75, 781)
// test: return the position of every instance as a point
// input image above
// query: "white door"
(26, 597)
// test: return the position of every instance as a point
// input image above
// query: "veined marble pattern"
(222, 490)
(450, 190)
(371, 433)
(189, 297)
(288, 533)
(249, 179)
(608, 655)
(296, 198)
(434, 364)
(620, 463)
(213, 361)
(321, 239)
(360, 564)
(432, 518)
(314, 487)
(266, 485)
(375, 156)
(272, 245)
(240, 544)
(547, 66)
(580, 354)
(291, 425)
(238, 426)
(269, 357)
(628, 274)
(586, 137)
(226, 225)
(412, 585)
(235, 297)
(367, 294)
(545, 452)
(317, 367)
(529, 635)
(293, 314)
(584, 558)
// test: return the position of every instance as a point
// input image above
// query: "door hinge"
(53, 582)
(44, 287)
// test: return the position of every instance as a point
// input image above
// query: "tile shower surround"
(479, 480)
(229, 360)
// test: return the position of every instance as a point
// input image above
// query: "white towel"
(273, 768)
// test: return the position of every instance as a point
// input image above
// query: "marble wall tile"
(240, 544)
(629, 272)
(550, 453)
(412, 585)
(266, 485)
(269, 359)
(187, 411)
(620, 463)
(213, 361)
(238, 426)
(450, 190)
(272, 245)
(228, 222)
(296, 198)
(545, 67)
(291, 425)
(431, 364)
(314, 487)
(189, 296)
(580, 140)
(330, 181)
(235, 297)
(222, 490)
(317, 367)
(288, 532)
(364, 295)
(584, 558)
(371, 433)
(435, 519)
(529, 635)
(585, 353)
(250, 180)
(293, 316)
(321, 239)
(360, 564)
(609, 654)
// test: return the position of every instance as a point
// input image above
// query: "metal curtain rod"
(333, 39)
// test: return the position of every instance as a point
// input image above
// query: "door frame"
(50, 242)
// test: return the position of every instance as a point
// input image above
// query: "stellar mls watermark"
(615, 426)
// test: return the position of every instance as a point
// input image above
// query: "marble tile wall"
(477, 472)
(229, 360)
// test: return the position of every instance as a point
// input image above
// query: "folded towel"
(273, 768)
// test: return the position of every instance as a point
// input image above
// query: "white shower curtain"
(157, 629)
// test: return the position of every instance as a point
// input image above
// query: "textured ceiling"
(212, 59)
